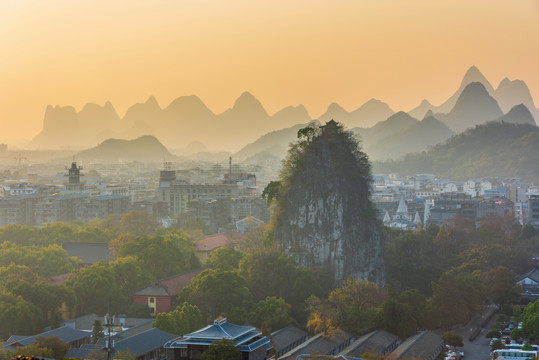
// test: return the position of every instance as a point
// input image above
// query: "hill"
(145, 148)
(493, 149)
(474, 106)
(415, 138)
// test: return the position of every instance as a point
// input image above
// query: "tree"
(164, 255)
(451, 338)
(271, 191)
(18, 316)
(402, 314)
(268, 272)
(217, 291)
(221, 350)
(502, 287)
(97, 289)
(273, 312)
(358, 304)
(527, 346)
(225, 258)
(97, 331)
(180, 321)
(138, 223)
(497, 345)
(493, 334)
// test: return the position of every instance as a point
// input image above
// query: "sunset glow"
(284, 52)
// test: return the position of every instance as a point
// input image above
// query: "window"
(152, 300)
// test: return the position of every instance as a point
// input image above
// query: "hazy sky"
(285, 52)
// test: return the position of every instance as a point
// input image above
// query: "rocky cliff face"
(324, 218)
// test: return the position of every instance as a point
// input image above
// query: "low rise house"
(159, 296)
(321, 344)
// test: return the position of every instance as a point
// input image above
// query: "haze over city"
(285, 53)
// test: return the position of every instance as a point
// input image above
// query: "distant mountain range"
(384, 133)
(493, 149)
(508, 94)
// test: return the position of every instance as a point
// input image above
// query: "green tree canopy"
(221, 350)
(184, 319)
(162, 255)
(225, 258)
(216, 292)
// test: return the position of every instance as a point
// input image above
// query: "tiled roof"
(321, 344)
(215, 241)
(89, 253)
(65, 334)
(377, 343)
(286, 336)
(420, 346)
(534, 275)
(170, 286)
(144, 342)
(176, 283)
(242, 336)
(154, 290)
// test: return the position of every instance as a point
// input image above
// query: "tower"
(73, 174)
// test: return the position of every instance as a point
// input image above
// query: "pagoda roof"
(222, 329)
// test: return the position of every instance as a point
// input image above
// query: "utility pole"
(109, 323)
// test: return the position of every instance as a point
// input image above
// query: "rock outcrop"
(324, 217)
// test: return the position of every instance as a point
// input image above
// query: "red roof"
(212, 242)
(176, 283)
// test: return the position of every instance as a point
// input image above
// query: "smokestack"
(230, 165)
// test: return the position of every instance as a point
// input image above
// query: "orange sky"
(285, 52)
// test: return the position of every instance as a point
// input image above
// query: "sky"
(285, 52)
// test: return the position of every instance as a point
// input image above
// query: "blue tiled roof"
(221, 329)
(65, 334)
(144, 342)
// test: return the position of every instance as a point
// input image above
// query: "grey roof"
(420, 346)
(286, 336)
(534, 275)
(321, 344)
(158, 290)
(65, 334)
(89, 253)
(144, 342)
(377, 342)
(136, 329)
(109, 197)
(83, 352)
(86, 322)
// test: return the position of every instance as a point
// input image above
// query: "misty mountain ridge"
(187, 118)
(367, 115)
(144, 148)
(493, 149)
(474, 106)
(508, 94)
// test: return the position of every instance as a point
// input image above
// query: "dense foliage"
(492, 149)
